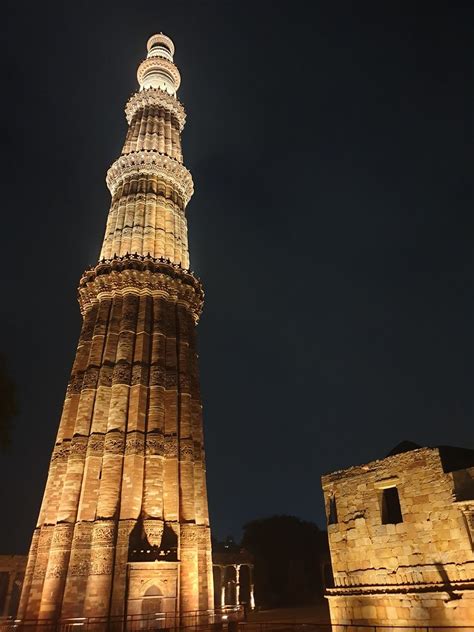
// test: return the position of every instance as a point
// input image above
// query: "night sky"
(332, 226)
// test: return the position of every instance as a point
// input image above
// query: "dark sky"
(332, 226)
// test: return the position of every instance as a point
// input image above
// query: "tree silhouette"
(8, 404)
(287, 553)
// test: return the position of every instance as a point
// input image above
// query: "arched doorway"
(152, 602)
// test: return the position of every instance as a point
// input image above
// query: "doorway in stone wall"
(152, 590)
(152, 602)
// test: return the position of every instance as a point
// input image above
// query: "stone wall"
(12, 572)
(415, 568)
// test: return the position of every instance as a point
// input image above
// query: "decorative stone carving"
(62, 536)
(164, 64)
(157, 375)
(78, 447)
(154, 163)
(171, 447)
(124, 529)
(39, 572)
(45, 537)
(114, 442)
(184, 382)
(122, 373)
(155, 444)
(61, 452)
(141, 275)
(186, 449)
(82, 534)
(103, 533)
(90, 377)
(80, 569)
(189, 535)
(135, 443)
(171, 379)
(57, 565)
(75, 383)
(154, 531)
(95, 446)
(105, 375)
(100, 562)
(159, 98)
(139, 374)
(203, 536)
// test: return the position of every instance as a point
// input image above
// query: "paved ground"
(319, 613)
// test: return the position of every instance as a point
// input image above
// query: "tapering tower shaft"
(124, 526)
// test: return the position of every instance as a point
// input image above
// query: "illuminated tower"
(124, 527)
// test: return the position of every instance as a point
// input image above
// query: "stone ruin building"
(233, 569)
(401, 537)
(12, 572)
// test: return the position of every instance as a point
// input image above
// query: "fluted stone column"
(129, 455)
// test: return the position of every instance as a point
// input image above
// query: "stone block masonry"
(401, 539)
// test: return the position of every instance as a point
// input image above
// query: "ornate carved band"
(78, 447)
(141, 275)
(170, 446)
(192, 534)
(186, 450)
(154, 531)
(154, 163)
(154, 444)
(135, 443)
(154, 96)
(114, 442)
(159, 63)
(61, 451)
(103, 533)
(62, 536)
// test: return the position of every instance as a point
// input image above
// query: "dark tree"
(288, 554)
(8, 404)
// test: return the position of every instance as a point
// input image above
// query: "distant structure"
(233, 575)
(124, 528)
(401, 534)
(12, 572)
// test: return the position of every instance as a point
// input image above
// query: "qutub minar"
(124, 527)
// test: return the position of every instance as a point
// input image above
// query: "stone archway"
(152, 601)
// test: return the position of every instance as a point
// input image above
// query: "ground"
(318, 613)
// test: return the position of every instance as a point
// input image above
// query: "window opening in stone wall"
(332, 513)
(391, 510)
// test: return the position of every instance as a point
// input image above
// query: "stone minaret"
(124, 526)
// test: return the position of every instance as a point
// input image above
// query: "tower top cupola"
(158, 70)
